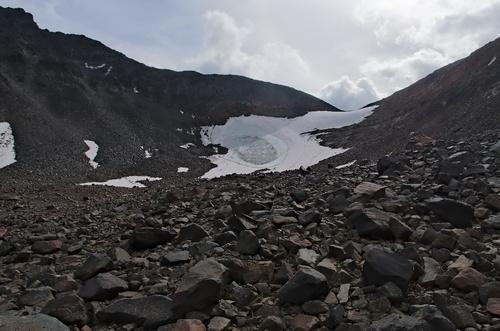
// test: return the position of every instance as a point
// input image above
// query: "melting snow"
(92, 152)
(182, 169)
(187, 145)
(94, 67)
(274, 144)
(492, 60)
(130, 181)
(345, 165)
(7, 153)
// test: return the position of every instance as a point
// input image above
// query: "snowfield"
(274, 144)
(7, 152)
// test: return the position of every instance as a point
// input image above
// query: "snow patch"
(345, 165)
(7, 152)
(274, 144)
(187, 145)
(147, 152)
(182, 113)
(492, 60)
(135, 90)
(92, 153)
(94, 67)
(109, 70)
(130, 181)
(182, 169)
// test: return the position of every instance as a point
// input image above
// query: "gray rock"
(396, 322)
(97, 262)
(371, 223)
(391, 292)
(460, 316)
(273, 323)
(434, 317)
(248, 243)
(149, 312)
(493, 202)
(192, 232)
(382, 266)
(238, 223)
(492, 223)
(311, 215)
(147, 237)
(457, 213)
(46, 246)
(36, 297)
(102, 287)
(5, 247)
(225, 237)
(200, 287)
(299, 195)
(338, 204)
(314, 307)
(31, 322)
(335, 317)
(174, 258)
(305, 285)
(384, 163)
(69, 309)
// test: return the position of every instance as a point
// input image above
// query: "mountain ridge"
(62, 89)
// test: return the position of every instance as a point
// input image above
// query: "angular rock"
(184, 325)
(238, 223)
(299, 195)
(493, 202)
(102, 287)
(36, 297)
(273, 323)
(371, 223)
(147, 237)
(97, 262)
(200, 287)
(492, 223)
(432, 271)
(338, 204)
(225, 237)
(490, 290)
(384, 163)
(311, 215)
(32, 322)
(457, 213)
(459, 315)
(192, 232)
(314, 307)
(391, 292)
(149, 312)
(218, 323)
(335, 317)
(5, 247)
(435, 318)
(248, 206)
(307, 256)
(305, 285)
(493, 306)
(303, 322)
(397, 322)
(174, 258)
(372, 190)
(69, 309)
(399, 229)
(382, 266)
(46, 246)
(248, 243)
(469, 279)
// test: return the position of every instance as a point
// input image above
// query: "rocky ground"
(410, 242)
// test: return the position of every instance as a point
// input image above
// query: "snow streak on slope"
(7, 153)
(274, 144)
(130, 181)
(92, 153)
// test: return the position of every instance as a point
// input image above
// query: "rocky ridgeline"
(409, 243)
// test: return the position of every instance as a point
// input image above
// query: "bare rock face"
(32, 322)
(201, 287)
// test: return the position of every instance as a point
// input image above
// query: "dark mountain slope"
(453, 102)
(58, 90)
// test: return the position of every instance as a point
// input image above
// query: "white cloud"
(223, 52)
(397, 73)
(348, 94)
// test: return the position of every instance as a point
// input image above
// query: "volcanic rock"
(382, 266)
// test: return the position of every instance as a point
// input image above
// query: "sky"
(349, 53)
